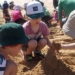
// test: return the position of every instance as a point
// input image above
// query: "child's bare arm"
(5, 16)
(48, 41)
(11, 68)
(50, 44)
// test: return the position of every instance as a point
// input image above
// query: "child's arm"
(68, 46)
(11, 68)
(59, 46)
(49, 44)
(4, 16)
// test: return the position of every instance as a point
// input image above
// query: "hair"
(40, 2)
(9, 46)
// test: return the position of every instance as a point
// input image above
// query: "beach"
(63, 63)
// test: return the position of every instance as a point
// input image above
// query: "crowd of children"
(14, 36)
(28, 35)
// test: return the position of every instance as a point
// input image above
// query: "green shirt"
(46, 12)
(67, 6)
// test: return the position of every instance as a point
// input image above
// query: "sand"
(63, 63)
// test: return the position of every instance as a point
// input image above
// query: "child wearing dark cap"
(12, 38)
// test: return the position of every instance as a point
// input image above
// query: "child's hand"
(57, 46)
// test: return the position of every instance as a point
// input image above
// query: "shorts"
(24, 47)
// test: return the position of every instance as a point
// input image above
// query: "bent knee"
(43, 42)
(32, 44)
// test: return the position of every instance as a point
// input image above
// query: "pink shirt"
(16, 14)
(43, 29)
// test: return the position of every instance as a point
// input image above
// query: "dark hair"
(55, 3)
(40, 2)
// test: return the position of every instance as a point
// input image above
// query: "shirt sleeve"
(45, 31)
(26, 29)
(60, 10)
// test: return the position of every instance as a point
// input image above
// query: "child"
(12, 38)
(56, 15)
(36, 30)
(47, 18)
(17, 15)
(68, 29)
(25, 16)
(25, 5)
(6, 14)
(55, 3)
(11, 5)
(5, 5)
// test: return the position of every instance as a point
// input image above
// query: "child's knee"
(32, 44)
(43, 42)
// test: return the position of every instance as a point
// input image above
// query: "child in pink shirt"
(36, 30)
(17, 15)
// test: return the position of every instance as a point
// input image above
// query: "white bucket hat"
(69, 26)
(34, 9)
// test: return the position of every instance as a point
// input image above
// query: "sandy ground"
(63, 63)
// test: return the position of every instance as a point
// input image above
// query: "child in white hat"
(36, 30)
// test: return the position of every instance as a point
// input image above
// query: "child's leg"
(32, 44)
(68, 46)
(41, 44)
(11, 68)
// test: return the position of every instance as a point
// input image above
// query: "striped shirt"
(2, 65)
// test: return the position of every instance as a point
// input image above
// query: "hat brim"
(24, 40)
(68, 30)
(34, 16)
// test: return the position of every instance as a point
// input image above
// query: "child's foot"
(28, 57)
(39, 54)
(57, 46)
